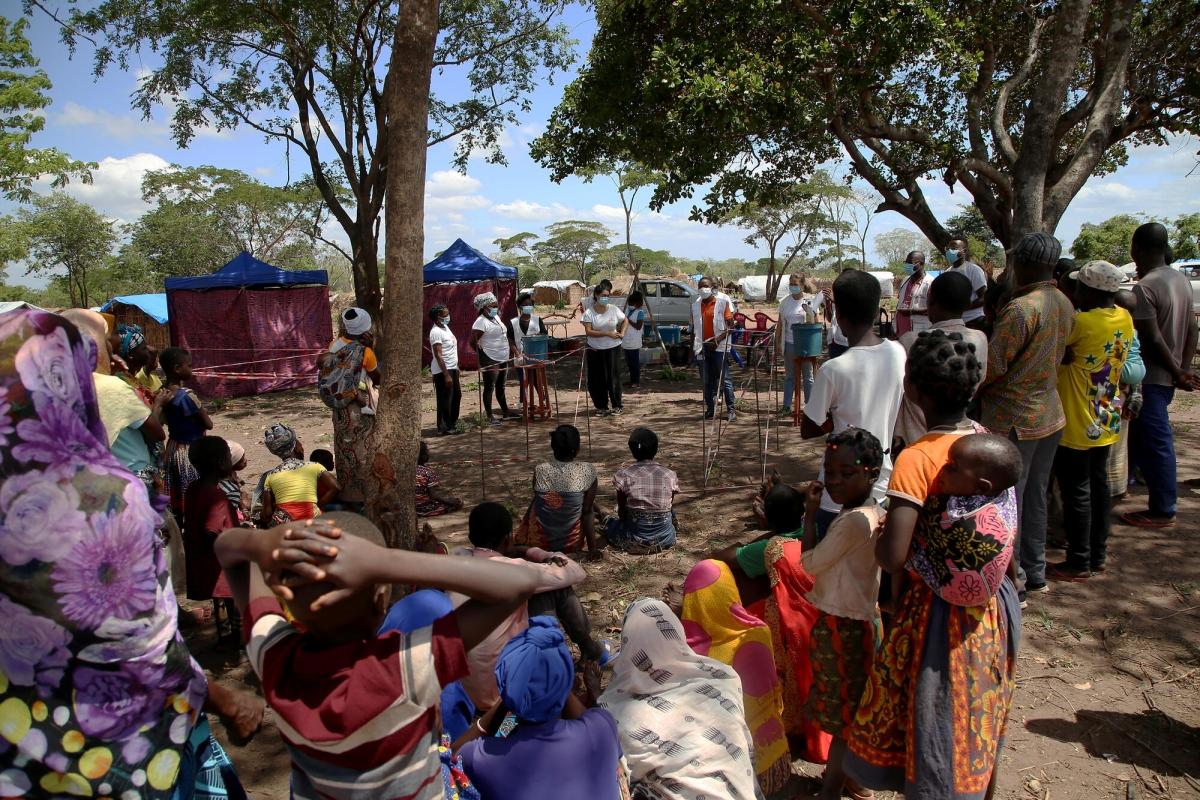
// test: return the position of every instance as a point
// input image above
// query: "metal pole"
(482, 471)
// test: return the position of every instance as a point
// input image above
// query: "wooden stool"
(798, 388)
(535, 382)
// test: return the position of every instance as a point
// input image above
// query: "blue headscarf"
(535, 672)
(131, 338)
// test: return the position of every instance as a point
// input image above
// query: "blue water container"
(669, 333)
(808, 339)
(536, 348)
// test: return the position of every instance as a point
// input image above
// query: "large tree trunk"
(365, 268)
(398, 425)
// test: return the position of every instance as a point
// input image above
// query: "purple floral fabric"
(98, 693)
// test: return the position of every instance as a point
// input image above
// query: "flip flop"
(1140, 519)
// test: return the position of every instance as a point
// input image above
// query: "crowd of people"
(873, 628)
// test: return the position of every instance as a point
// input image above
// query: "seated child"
(322, 457)
(644, 521)
(357, 709)
(431, 499)
(490, 530)
(963, 541)
(558, 748)
(847, 632)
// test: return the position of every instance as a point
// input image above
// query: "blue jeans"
(1037, 461)
(715, 374)
(1152, 448)
(789, 383)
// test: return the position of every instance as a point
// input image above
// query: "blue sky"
(92, 120)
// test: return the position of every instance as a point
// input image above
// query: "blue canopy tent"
(251, 327)
(148, 311)
(453, 279)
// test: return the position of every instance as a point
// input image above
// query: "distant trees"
(573, 245)
(894, 245)
(63, 239)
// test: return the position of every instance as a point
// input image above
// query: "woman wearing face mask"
(604, 325)
(490, 340)
(912, 307)
(526, 323)
(444, 367)
(803, 304)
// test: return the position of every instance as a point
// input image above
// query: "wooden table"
(535, 385)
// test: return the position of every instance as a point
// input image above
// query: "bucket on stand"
(808, 338)
(670, 334)
(536, 348)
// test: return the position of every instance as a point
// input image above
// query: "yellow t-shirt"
(297, 485)
(1087, 385)
(149, 380)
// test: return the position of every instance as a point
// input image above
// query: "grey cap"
(1037, 250)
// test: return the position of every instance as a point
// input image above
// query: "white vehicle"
(668, 301)
(1189, 267)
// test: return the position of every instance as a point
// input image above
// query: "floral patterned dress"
(98, 693)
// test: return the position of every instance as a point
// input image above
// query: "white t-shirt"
(449, 343)
(633, 336)
(978, 279)
(494, 341)
(861, 388)
(533, 329)
(608, 321)
(793, 310)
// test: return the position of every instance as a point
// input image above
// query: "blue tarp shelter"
(251, 327)
(148, 311)
(453, 279)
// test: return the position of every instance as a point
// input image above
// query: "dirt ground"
(1108, 703)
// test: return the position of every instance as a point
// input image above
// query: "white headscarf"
(680, 716)
(484, 300)
(356, 321)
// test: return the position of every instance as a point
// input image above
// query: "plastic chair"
(762, 321)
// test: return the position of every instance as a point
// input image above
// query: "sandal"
(1143, 519)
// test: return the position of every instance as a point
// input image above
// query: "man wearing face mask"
(912, 307)
(804, 304)
(712, 322)
(959, 257)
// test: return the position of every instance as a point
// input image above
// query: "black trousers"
(1083, 482)
(633, 360)
(449, 398)
(604, 377)
(493, 381)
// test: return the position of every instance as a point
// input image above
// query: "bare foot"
(672, 595)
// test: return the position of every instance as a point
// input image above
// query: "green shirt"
(752, 558)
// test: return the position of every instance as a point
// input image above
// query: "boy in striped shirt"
(358, 710)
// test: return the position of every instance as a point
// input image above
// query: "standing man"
(712, 322)
(1166, 327)
(959, 257)
(1019, 397)
(912, 307)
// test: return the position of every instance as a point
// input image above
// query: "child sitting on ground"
(431, 499)
(644, 521)
(846, 634)
(971, 520)
(357, 709)
(490, 530)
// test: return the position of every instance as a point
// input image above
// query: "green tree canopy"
(23, 94)
(894, 246)
(204, 216)
(67, 241)
(572, 245)
(1186, 239)
(1015, 102)
(1108, 240)
(312, 76)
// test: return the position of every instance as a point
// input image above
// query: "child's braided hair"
(866, 447)
(944, 367)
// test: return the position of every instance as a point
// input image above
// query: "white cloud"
(450, 183)
(263, 172)
(1105, 191)
(116, 187)
(610, 213)
(448, 194)
(116, 126)
(528, 210)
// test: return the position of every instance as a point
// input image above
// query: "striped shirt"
(360, 719)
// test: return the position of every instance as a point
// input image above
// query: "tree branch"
(1001, 139)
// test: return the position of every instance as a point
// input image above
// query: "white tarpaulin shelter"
(754, 288)
(886, 282)
(13, 305)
